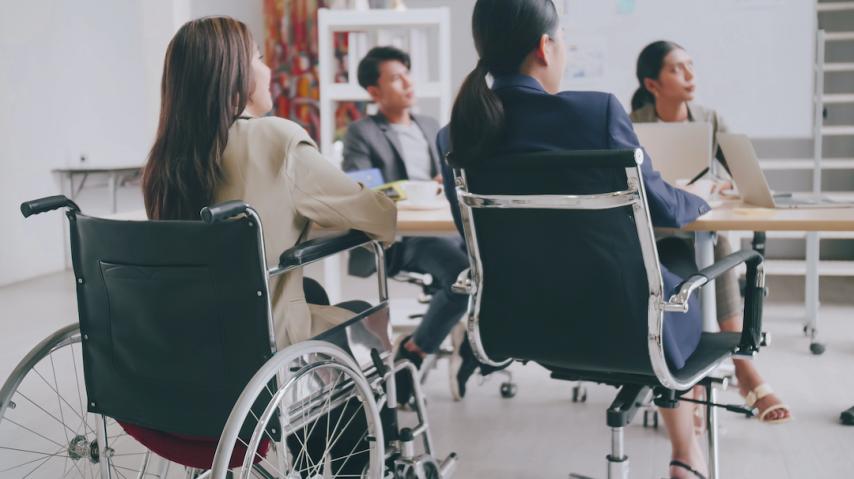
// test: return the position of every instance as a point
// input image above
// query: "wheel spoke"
(326, 407)
(330, 446)
(59, 398)
(46, 412)
(351, 453)
(45, 461)
(260, 457)
(34, 432)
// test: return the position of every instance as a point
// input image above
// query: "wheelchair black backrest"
(174, 318)
(563, 281)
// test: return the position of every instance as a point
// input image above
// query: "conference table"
(729, 215)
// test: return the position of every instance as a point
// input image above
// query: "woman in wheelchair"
(214, 144)
(521, 45)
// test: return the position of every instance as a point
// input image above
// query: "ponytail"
(642, 98)
(477, 119)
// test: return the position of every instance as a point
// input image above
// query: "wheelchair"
(174, 363)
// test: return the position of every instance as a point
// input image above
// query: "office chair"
(545, 288)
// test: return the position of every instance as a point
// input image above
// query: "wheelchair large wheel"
(325, 409)
(45, 429)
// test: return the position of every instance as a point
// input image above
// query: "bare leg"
(749, 378)
(680, 427)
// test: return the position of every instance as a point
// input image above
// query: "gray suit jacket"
(371, 143)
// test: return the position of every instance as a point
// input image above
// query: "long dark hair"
(505, 32)
(207, 81)
(650, 63)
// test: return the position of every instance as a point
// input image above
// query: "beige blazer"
(646, 114)
(273, 165)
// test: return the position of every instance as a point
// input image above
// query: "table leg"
(811, 292)
(332, 280)
(111, 184)
(704, 247)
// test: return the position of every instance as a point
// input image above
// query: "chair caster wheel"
(650, 418)
(579, 393)
(817, 348)
(508, 390)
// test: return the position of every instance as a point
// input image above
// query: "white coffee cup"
(421, 192)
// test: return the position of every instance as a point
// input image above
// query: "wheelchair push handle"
(48, 203)
(223, 211)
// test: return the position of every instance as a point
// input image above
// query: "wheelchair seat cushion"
(197, 452)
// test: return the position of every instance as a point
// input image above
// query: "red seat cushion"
(189, 451)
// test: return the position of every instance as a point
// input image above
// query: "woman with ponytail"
(665, 73)
(520, 45)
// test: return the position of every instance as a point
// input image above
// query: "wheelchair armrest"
(48, 203)
(319, 248)
(463, 284)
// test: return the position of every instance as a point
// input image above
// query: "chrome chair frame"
(472, 282)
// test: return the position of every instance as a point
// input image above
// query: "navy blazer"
(537, 121)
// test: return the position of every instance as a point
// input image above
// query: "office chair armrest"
(752, 336)
(48, 203)
(319, 248)
(679, 301)
(463, 284)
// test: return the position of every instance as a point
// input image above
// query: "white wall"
(465, 56)
(72, 84)
(250, 12)
(79, 78)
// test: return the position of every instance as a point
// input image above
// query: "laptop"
(753, 186)
(678, 150)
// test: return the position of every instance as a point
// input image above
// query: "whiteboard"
(753, 58)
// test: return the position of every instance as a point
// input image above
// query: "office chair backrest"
(558, 262)
(174, 318)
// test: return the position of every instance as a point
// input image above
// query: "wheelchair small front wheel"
(308, 412)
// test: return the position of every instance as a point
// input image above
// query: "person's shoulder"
(426, 121)
(644, 114)
(273, 128)
(702, 113)
(362, 125)
(588, 101)
(593, 97)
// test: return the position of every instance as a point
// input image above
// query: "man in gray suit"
(402, 146)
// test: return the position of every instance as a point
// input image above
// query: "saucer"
(433, 205)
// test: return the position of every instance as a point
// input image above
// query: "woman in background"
(665, 72)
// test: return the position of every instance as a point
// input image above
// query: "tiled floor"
(541, 433)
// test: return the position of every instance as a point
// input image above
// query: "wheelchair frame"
(372, 384)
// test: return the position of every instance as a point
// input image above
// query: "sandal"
(760, 392)
(688, 468)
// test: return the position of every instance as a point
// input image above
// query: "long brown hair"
(207, 81)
